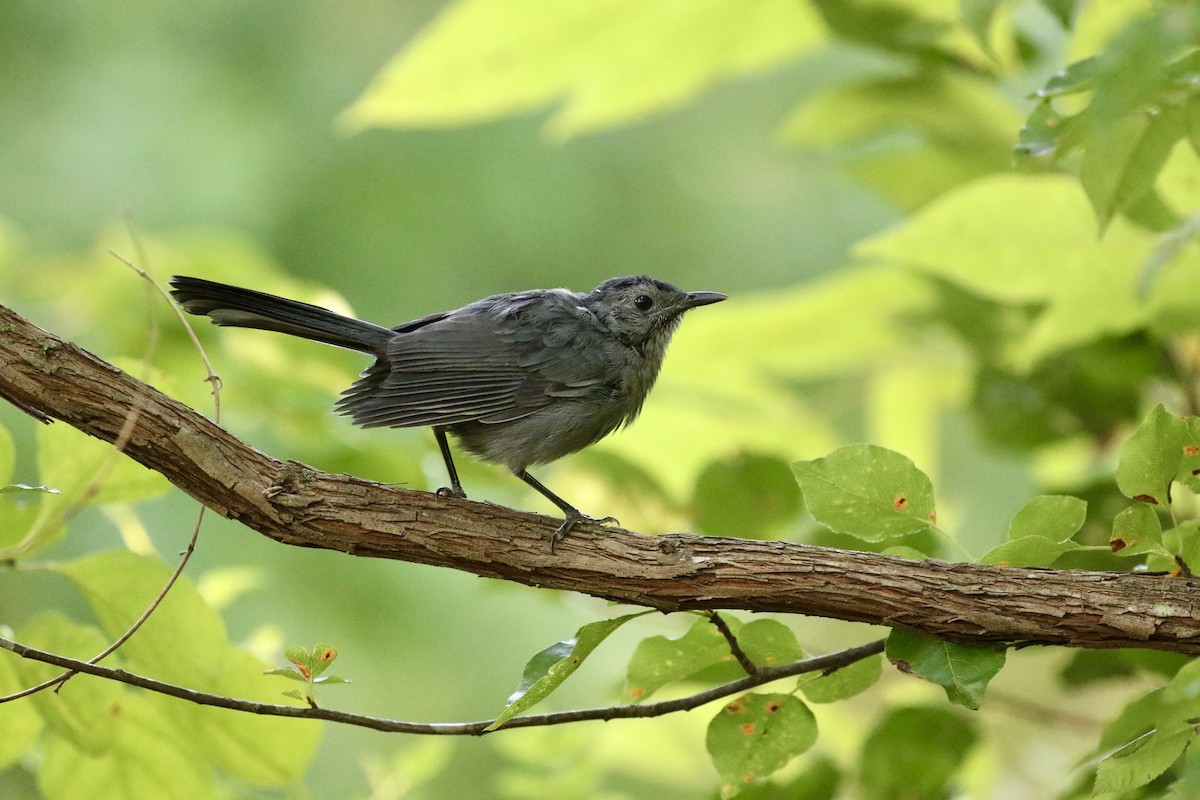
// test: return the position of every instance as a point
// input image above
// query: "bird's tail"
(246, 308)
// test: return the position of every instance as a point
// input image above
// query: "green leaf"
(1122, 159)
(658, 661)
(608, 62)
(147, 757)
(867, 491)
(546, 671)
(963, 671)
(308, 666)
(977, 16)
(757, 734)
(1046, 134)
(85, 471)
(20, 721)
(1051, 515)
(1088, 667)
(1077, 77)
(256, 749)
(1040, 532)
(1148, 735)
(818, 780)
(1142, 760)
(842, 683)
(291, 673)
(70, 461)
(1061, 10)
(745, 495)
(768, 643)
(1150, 459)
(81, 713)
(184, 642)
(1189, 465)
(1030, 551)
(914, 753)
(8, 455)
(312, 662)
(1042, 248)
(21, 488)
(952, 127)
(1137, 530)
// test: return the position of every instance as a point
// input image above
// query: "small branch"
(826, 663)
(297, 505)
(119, 447)
(734, 648)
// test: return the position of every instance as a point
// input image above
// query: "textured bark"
(298, 505)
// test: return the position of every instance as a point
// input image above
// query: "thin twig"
(734, 648)
(126, 432)
(764, 675)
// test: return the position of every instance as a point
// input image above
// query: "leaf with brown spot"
(1151, 458)
(867, 491)
(755, 735)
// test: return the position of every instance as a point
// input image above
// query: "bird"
(519, 379)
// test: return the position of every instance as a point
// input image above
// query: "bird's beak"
(702, 299)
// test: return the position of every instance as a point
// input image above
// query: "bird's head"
(642, 312)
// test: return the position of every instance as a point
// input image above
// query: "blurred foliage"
(1020, 343)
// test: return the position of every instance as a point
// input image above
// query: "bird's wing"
(493, 361)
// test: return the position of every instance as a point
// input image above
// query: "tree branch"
(297, 505)
(826, 664)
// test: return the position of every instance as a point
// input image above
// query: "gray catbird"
(519, 379)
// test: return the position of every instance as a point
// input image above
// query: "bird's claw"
(570, 522)
(452, 491)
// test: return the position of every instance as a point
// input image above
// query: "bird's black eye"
(643, 303)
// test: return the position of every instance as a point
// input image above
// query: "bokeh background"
(205, 138)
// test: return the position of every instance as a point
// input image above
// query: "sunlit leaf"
(8, 455)
(184, 641)
(1028, 239)
(546, 671)
(149, 757)
(1040, 532)
(609, 61)
(1122, 159)
(1029, 551)
(1137, 530)
(867, 491)
(1052, 515)
(1150, 458)
(81, 714)
(20, 721)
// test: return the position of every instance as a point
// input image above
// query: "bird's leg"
(573, 514)
(455, 488)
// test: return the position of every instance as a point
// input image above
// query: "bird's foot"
(452, 491)
(572, 518)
